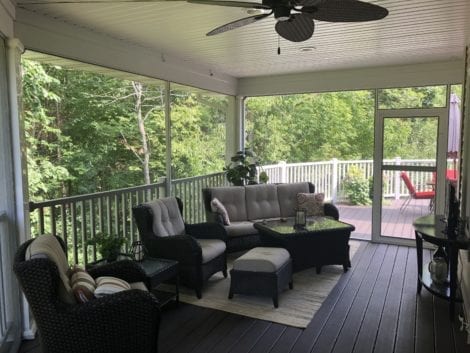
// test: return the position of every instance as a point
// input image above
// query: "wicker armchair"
(127, 321)
(198, 248)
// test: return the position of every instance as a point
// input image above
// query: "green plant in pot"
(242, 168)
(109, 246)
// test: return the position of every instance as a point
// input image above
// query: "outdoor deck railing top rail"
(79, 218)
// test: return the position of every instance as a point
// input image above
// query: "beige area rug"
(296, 307)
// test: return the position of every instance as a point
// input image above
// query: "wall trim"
(423, 74)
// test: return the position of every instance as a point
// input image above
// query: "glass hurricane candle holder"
(300, 218)
(138, 250)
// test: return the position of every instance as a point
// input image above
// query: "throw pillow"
(217, 206)
(110, 285)
(83, 285)
(312, 203)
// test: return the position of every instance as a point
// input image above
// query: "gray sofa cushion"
(233, 199)
(287, 196)
(262, 201)
(167, 218)
(211, 248)
(237, 229)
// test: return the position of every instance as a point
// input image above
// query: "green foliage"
(356, 186)
(109, 246)
(87, 132)
(242, 168)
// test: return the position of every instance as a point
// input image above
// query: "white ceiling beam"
(46, 35)
(355, 79)
(7, 15)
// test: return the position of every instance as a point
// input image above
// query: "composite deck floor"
(395, 222)
(373, 308)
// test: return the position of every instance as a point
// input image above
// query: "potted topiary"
(242, 168)
(109, 246)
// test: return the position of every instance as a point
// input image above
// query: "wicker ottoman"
(261, 271)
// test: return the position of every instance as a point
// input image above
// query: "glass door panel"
(407, 159)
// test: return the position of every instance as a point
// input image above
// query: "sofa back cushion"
(287, 195)
(262, 201)
(167, 219)
(233, 199)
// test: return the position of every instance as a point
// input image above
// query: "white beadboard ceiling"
(415, 31)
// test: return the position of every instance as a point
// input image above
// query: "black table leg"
(419, 256)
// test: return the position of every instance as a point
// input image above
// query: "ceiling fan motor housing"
(281, 13)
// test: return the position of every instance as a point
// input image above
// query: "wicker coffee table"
(323, 241)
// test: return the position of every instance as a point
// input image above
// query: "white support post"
(397, 179)
(334, 180)
(283, 167)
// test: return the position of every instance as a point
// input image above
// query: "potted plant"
(109, 246)
(242, 168)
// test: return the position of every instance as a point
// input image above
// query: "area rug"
(296, 307)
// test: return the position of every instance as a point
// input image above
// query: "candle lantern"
(138, 250)
(300, 218)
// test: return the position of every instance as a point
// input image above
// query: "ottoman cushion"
(262, 259)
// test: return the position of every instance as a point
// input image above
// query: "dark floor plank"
(287, 340)
(332, 328)
(386, 334)
(424, 342)
(419, 322)
(369, 299)
(200, 332)
(443, 335)
(375, 321)
(173, 318)
(233, 336)
(269, 339)
(405, 337)
(168, 342)
(310, 335)
(251, 337)
(218, 333)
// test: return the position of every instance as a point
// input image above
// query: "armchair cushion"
(167, 218)
(239, 229)
(211, 248)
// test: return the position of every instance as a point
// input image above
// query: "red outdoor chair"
(417, 195)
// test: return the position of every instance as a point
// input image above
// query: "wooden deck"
(373, 309)
(394, 221)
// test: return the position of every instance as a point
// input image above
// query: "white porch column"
(14, 50)
(235, 127)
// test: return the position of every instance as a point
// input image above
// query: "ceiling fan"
(295, 17)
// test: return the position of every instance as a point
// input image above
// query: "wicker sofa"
(251, 203)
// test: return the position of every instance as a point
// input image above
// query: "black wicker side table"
(158, 271)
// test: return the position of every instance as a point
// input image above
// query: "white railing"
(79, 218)
(328, 176)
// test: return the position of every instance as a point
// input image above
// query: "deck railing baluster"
(74, 232)
(53, 221)
(93, 227)
(83, 230)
